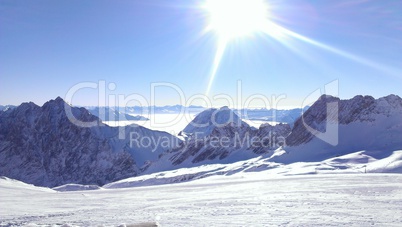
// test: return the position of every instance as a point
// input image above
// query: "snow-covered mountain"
(40, 145)
(369, 140)
(220, 136)
(211, 119)
(333, 127)
(330, 127)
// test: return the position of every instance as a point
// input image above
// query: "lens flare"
(217, 60)
(231, 19)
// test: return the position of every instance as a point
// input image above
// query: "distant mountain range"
(271, 115)
(41, 145)
(6, 107)
(145, 110)
(111, 114)
(135, 112)
(138, 113)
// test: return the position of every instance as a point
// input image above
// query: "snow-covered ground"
(243, 199)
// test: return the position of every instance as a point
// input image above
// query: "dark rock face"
(358, 109)
(212, 135)
(271, 137)
(39, 145)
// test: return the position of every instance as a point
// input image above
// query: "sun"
(236, 18)
(232, 19)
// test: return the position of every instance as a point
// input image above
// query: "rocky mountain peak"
(358, 109)
(209, 120)
(40, 145)
(391, 100)
(57, 109)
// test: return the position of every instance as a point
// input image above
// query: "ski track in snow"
(244, 199)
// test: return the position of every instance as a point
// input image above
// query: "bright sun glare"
(232, 19)
(236, 18)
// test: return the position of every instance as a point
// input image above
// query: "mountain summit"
(211, 119)
(360, 109)
(220, 136)
(40, 145)
(362, 123)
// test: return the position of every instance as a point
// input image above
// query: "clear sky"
(48, 46)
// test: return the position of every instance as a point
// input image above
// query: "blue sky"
(47, 47)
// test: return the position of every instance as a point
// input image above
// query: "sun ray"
(217, 60)
(279, 32)
(233, 19)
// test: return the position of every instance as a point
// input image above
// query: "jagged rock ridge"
(40, 145)
(219, 135)
(358, 109)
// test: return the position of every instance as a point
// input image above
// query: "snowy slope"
(76, 187)
(11, 184)
(357, 162)
(247, 199)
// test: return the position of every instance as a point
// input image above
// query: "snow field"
(244, 199)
